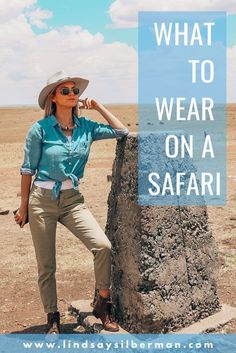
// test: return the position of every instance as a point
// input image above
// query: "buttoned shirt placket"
(69, 146)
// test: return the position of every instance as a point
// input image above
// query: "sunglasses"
(65, 91)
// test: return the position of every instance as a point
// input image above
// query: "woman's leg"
(43, 221)
(80, 221)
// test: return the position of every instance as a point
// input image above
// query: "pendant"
(65, 128)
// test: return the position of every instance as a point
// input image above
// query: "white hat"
(56, 80)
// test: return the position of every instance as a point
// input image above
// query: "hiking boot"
(102, 310)
(53, 323)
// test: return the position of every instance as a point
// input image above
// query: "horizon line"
(36, 106)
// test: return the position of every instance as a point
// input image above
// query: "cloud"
(28, 59)
(10, 9)
(37, 17)
(124, 14)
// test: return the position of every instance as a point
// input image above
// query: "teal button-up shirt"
(51, 156)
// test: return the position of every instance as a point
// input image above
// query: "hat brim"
(81, 83)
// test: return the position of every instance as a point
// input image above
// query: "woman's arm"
(32, 149)
(90, 103)
(21, 215)
(110, 118)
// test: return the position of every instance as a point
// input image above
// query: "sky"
(93, 39)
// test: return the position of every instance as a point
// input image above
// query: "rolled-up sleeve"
(102, 131)
(32, 150)
(121, 132)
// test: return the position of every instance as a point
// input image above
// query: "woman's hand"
(89, 103)
(21, 215)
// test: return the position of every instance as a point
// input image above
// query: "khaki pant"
(71, 211)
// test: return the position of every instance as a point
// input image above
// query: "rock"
(90, 320)
(83, 310)
(4, 212)
(79, 329)
(164, 258)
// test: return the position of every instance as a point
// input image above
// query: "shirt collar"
(53, 120)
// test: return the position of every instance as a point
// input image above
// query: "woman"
(57, 149)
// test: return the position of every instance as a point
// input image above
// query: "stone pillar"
(164, 258)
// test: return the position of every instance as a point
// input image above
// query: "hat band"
(62, 79)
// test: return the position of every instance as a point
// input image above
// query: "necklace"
(66, 128)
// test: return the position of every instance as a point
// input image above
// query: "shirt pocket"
(82, 149)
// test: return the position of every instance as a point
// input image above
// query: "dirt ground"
(20, 305)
